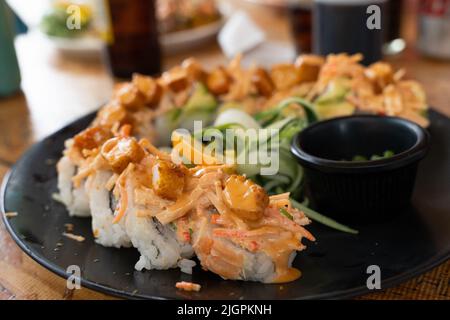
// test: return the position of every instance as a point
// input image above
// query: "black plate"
(333, 267)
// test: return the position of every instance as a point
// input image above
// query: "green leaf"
(336, 91)
(311, 115)
(201, 99)
(313, 215)
(267, 117)
(359, 158)
(388, 154)
(237, 116)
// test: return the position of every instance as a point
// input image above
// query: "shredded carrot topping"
(122, 185)
(188, 286)
(214, 218)
(123, 204)
(144, 143)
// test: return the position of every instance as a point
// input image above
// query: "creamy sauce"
(287, 275)
(280, 252)
(245, 198)
(181, 202)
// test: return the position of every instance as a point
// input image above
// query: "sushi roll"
(158, 244)
(234, 228)
(240, 233)
(140, 196)
(103, 205)
(141, 104)
(71, 169)
(73, 197)
(226, 256)
(170, 212)
(232, 262)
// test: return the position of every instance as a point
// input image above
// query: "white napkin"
(240, 34)
(269, 53)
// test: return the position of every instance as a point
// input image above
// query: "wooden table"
(59, 89)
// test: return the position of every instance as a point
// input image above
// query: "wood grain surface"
(57, 89)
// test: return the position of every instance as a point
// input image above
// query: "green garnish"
(191, 232)
(289, 117)
(386, 154)
(359, 158)
(286, 214)
(313, 215)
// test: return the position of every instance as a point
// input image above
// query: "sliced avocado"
(188, 119)
(332, 110)
(201, 99)
(165, 124)
(336, 90)
(201, 106)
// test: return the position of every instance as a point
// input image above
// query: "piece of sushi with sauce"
(103, 204)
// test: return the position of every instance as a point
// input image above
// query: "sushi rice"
(157, 243)
(102, 208)
(74, 198)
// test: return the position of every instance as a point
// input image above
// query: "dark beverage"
(394, 43)
(348, 26)
(394, 9)
(300, 17)
(134, 43)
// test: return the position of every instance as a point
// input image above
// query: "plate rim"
(390, 282)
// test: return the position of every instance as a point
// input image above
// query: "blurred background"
(59, 61)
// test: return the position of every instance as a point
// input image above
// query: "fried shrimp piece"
(176, 79)
(194, 70)
(92, 137)
(121, 151)
(380, 74)
(262, 81)
(218, 81)
(309, 67)
(285, 76)
(130, 97)
(167, 179)
(149, 88)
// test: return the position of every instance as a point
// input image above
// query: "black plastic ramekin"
(362, 190)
